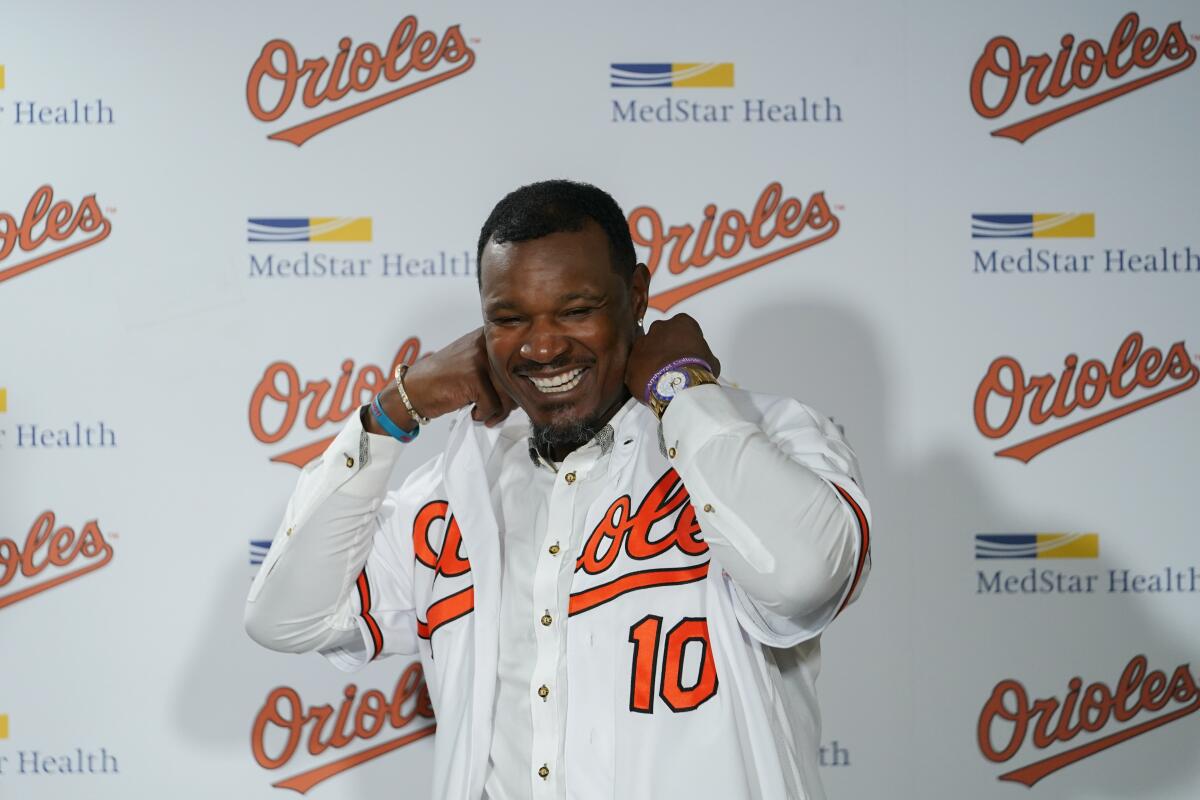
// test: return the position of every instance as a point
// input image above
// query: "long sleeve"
(332, 574)
(779, 504)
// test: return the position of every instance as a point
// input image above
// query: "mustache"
(534, 368)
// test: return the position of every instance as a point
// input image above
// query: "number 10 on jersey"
(679, 692)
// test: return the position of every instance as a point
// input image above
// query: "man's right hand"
(444, 381)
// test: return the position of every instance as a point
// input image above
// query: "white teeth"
(559, 383)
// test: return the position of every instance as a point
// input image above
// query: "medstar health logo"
(1033, 226)
(308, 229)
(673, 76)
(1037, 545)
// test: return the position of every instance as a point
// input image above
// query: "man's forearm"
(772, 523)
(300, 601)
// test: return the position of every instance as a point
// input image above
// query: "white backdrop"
(124, 670)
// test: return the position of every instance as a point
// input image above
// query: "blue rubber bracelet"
(392, 428)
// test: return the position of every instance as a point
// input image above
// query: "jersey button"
(554, 549)
(547, 619)
(569, 477)
(671, 453)
(543, 692)
(544, 772)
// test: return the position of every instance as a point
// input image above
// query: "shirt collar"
(602, 443)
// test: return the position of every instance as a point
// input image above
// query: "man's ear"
(639, 291)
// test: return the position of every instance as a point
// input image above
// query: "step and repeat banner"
(968, 232)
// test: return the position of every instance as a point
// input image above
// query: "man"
(606, 603)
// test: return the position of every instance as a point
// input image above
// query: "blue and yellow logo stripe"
(1037, 545)
(258, 551)
(678, 75)
(1033, 226)
(308, 229)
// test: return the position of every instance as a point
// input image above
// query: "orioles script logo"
(70, 556)
(773, 230)
(448, 561)
(280, 393)
(1079, 387)
(622, 529)
(1010, 716)
(279, 73)
(47, 221)
(284, 724)
(1076, 68)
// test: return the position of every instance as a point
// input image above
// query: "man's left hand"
(666, 341)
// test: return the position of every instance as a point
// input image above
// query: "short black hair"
(540, 209)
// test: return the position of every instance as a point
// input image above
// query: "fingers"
(487, 403)
(506, 403)
(493, 404)
(667, 339)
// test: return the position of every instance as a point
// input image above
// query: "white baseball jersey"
(681, 684)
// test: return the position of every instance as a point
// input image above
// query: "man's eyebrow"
(593, 297)
(503, 303)
(492, 306)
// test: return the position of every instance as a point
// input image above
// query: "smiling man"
(617, 572)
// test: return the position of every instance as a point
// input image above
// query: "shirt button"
(708, 508)
(543, 692)
(569, 477)
(289, 533)
(547, 619)
(544, 772)
(349, 461)
(671, 453)
(554, 549)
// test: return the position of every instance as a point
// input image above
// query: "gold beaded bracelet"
(400, 370)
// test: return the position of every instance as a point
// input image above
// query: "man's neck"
(559, 452)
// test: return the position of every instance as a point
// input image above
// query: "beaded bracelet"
(400, 370)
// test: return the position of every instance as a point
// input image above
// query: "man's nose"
(544, 344)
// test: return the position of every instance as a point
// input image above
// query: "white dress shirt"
(783, 518)
(543, 527)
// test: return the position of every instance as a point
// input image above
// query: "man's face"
(559, 323)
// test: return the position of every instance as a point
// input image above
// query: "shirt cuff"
(350, 653)
(365, 459)
(698, 414)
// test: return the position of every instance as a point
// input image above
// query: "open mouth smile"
(556, 384)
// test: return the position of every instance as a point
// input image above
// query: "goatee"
(565, 437)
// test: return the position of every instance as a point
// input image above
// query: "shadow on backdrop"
(917, 657)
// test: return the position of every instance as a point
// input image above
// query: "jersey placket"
(547, 689)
